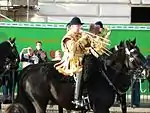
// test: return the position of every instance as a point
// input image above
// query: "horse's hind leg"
(60, 109)
(100, 109)
(40, 103)
(83, 111)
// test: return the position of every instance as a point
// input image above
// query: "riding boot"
(77, 98)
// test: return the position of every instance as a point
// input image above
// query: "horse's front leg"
(123, 103)
(60, 109)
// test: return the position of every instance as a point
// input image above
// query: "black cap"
(99, 23)
(75, 21)
(68, 24)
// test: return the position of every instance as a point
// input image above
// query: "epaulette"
(68, 33)
(107, 28)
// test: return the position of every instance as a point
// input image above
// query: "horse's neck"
(116, 62)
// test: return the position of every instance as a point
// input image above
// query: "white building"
(108, 11)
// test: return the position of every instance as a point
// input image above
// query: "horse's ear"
(13, 40)
(133, 41)
(121, 43)
(127, 42)
(10, 38)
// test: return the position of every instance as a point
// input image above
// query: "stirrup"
(86, 102)
(78, 103)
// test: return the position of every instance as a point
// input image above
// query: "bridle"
(131, 58)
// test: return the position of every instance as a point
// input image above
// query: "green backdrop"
(51, 33)
(28, 36)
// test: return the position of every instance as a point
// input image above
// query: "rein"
(111, 84)
(107, 78)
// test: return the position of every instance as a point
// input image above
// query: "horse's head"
(117, 57)
(126, 56)
(10, 55)
(135, 58)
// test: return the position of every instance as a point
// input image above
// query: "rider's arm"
(108, 31)
(71, 46)
(79, 45)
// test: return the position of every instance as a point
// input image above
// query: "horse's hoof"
(15, 108)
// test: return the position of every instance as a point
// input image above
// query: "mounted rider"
(75, 44)
(104, 31)
(102, 34)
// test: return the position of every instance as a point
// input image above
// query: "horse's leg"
(38, 107)
(148, 79)
(83, 111)
(40, 103)
(118, 99)
(10, 85)
(101, 110)
(68, 111)
(123, 103)
(60, 109)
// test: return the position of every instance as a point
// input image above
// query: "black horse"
(9, 63)
(41, 83)
(9, 54)
(131, 70)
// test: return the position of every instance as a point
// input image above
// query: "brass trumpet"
(104, 42)
(91, 34)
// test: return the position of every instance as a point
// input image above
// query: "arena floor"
(53, 109)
